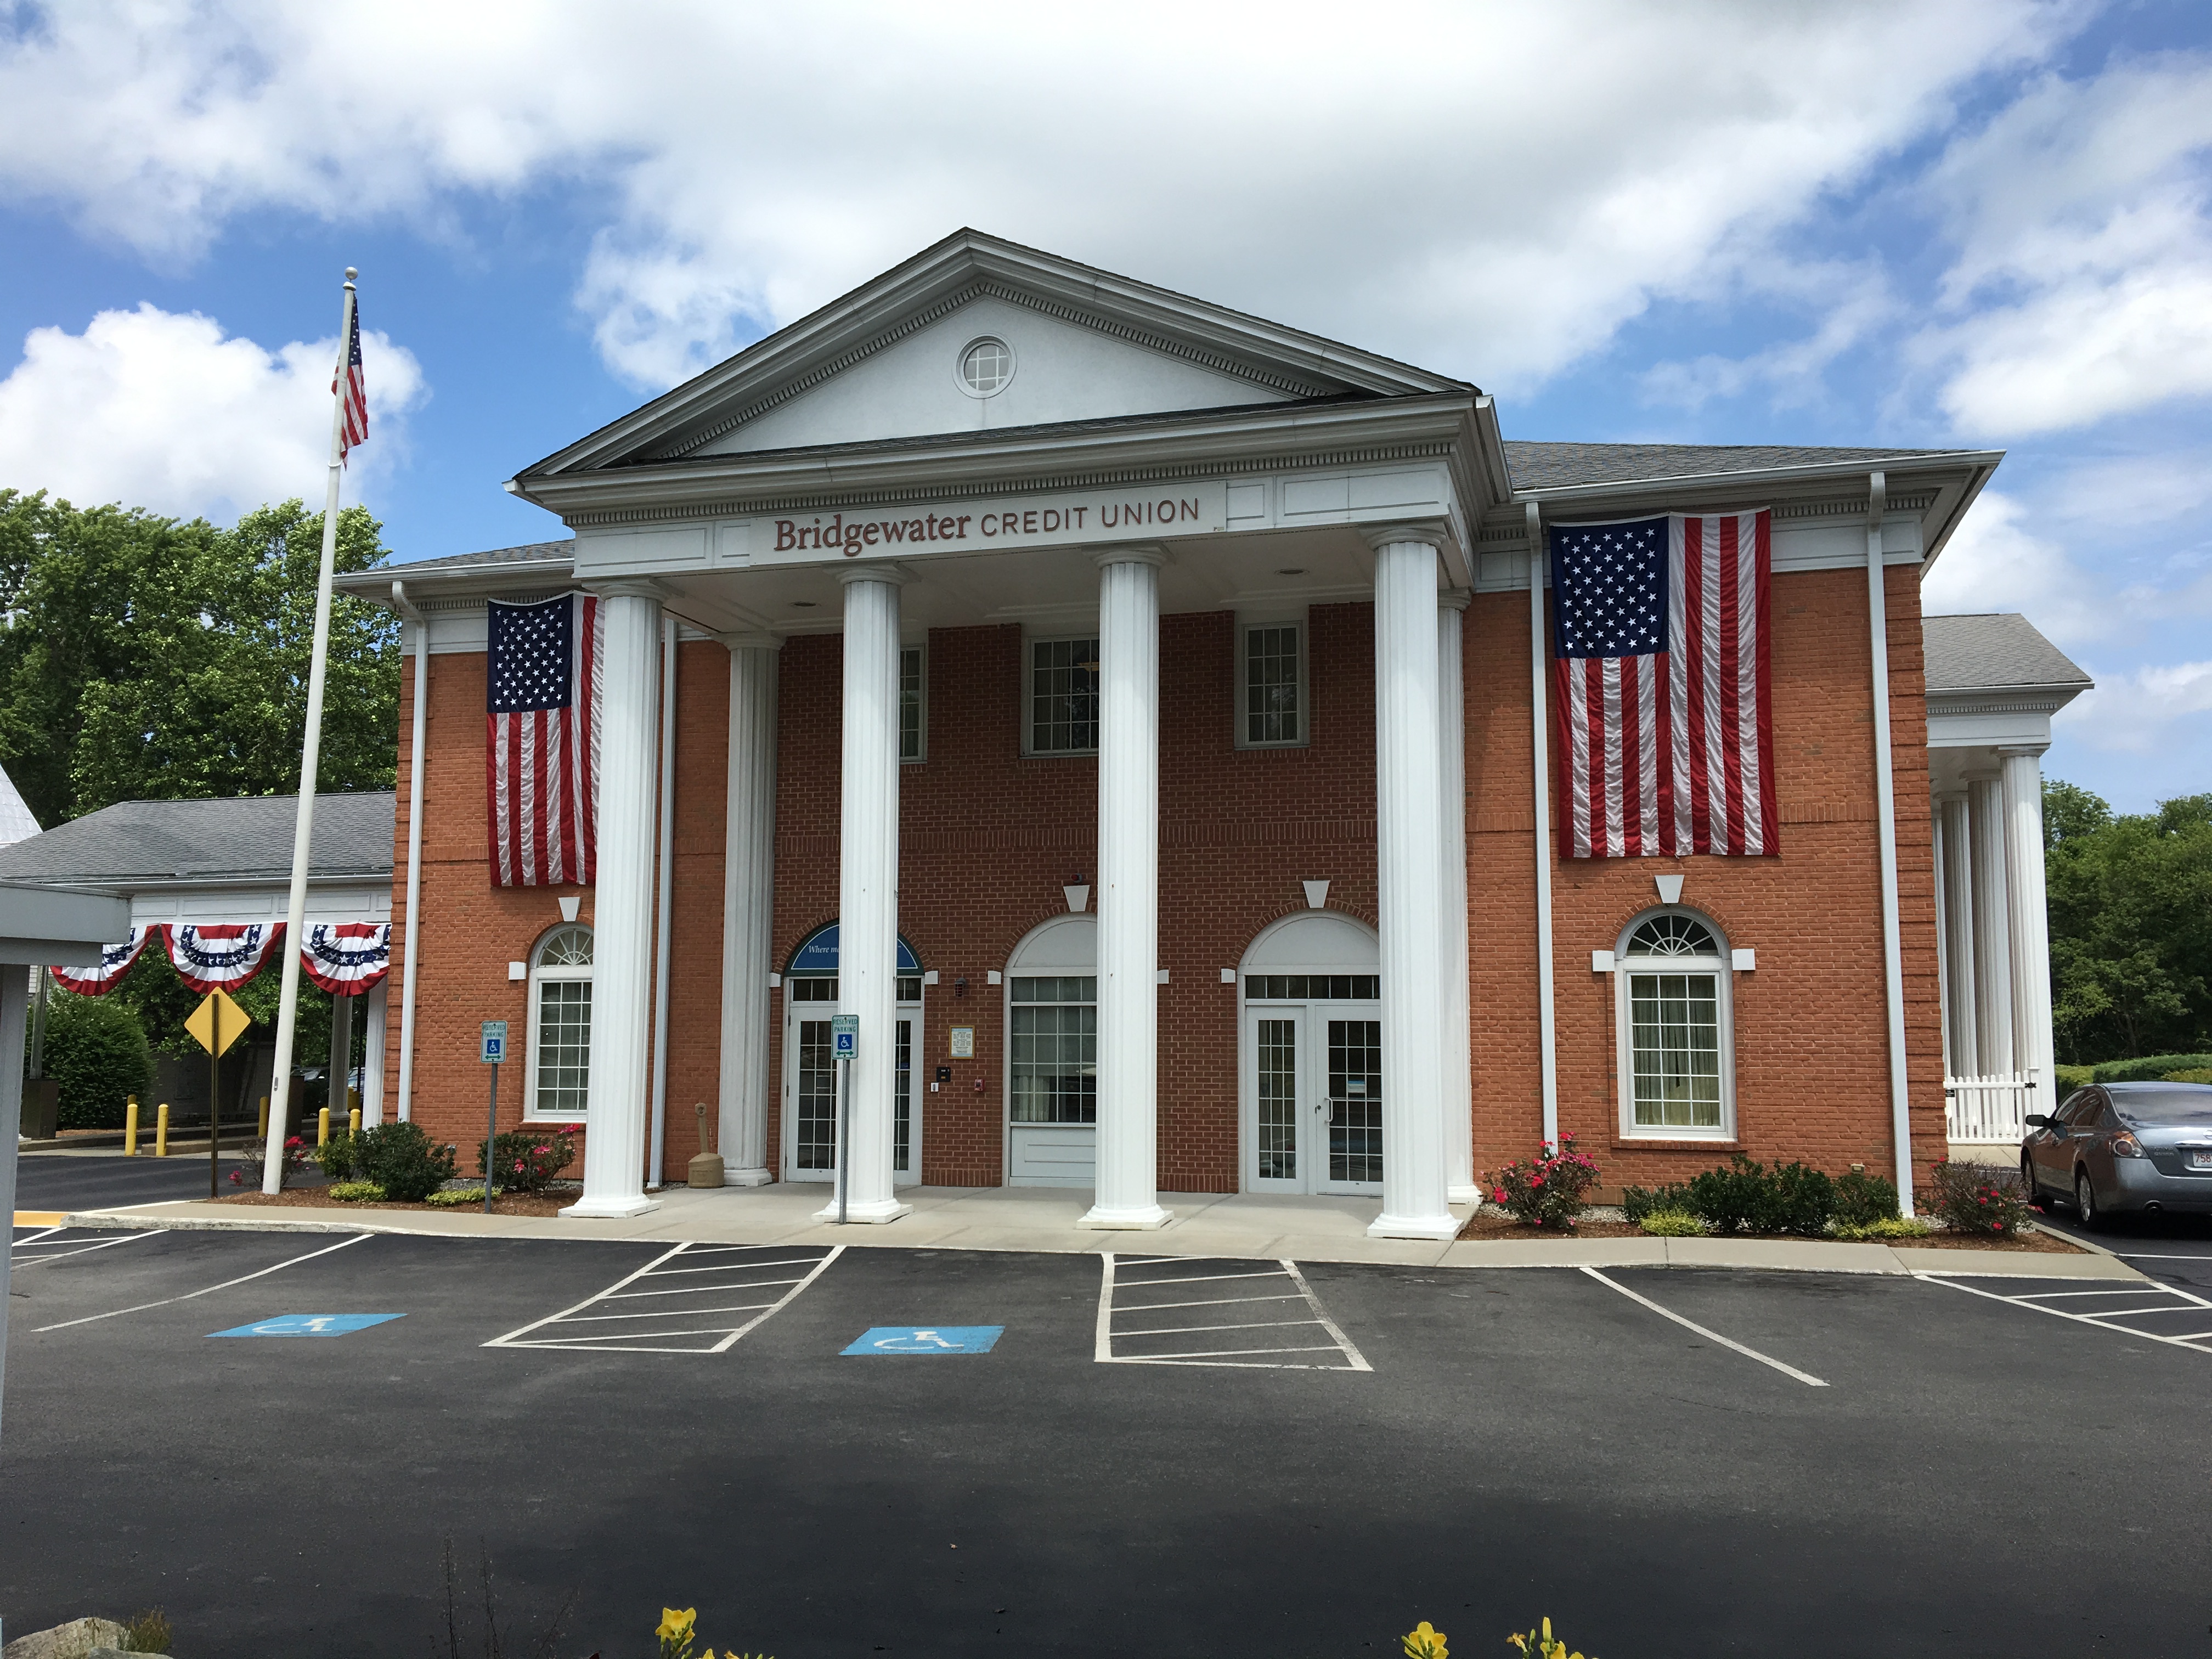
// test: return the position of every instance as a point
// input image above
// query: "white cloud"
(1428, 182)
(159, 411)
(2135, 713)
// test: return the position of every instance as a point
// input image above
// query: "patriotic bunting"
(347, 959)
(542, 740)
(221, 957)
(114, 961)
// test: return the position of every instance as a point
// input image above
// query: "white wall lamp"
(1316, 895)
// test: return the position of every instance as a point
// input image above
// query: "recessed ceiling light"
(1292, 570)
(804, 604)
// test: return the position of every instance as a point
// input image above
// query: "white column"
(1957, 923)
(748, 908)
(2029, 921)
(1452, 785)
(372, 1064)
(1416, 1200)
(340, 1059)
(1992, 925)
(622, 906)
(1127, 1194)
(867, 889)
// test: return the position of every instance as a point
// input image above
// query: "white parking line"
(51, 1248)
(2177, 1301)
(1807, 1379)
(189, 1295)
(1165, 1342)
(738, 1277)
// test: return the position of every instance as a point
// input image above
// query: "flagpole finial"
(351, 273)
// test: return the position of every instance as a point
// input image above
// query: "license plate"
(2200, 1158)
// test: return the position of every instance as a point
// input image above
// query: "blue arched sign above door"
(817, 954)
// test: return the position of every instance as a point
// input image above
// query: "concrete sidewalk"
(1043, 1220)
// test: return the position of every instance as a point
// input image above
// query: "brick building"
(1158, 701)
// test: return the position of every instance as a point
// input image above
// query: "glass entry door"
(810, 1083)
(1314, 1079)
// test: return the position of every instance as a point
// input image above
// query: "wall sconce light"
(1078, 894)
(960, 986)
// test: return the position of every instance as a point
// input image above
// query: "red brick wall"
(987, 838)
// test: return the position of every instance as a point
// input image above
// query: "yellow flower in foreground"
(1423, 1642)
(674, 1626)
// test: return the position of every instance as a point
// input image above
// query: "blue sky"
(1978, 222)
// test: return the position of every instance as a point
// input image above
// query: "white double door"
(809, 1087)
(1313, 1086)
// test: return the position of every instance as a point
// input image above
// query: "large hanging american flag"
(1666, 730)
(355, 428)
(542, 740)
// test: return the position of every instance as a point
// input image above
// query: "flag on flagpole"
(355, 426)
(542, 740)
(1663, 693)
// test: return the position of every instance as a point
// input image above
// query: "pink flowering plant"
(1546, 1190)
(527, 1161)
(1978, 1198)
(250, 1164)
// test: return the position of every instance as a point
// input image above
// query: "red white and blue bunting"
(222, 955)
(347, 958)
(114, 961)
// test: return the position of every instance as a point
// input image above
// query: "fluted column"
(621, 905)
(1957, 922)
(372, 1006)
(1992, 928)
(1452, 785)
(867, 889)
(2029, 921)
(1127, 1194)
(747, 908)
(1409, 814)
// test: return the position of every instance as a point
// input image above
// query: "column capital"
(1435, 532)
(1454, 599)
(1151, 553)
(889, 575)
(629, 587)
(2012, 751)
(754, 642)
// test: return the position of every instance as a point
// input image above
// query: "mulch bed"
(316, 1198)
(1491, 1226)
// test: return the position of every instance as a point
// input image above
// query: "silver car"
(2123, 1146)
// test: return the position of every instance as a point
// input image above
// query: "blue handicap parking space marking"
(927, 1339)
(309, 1325)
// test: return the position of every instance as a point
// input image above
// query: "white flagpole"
(303, 827)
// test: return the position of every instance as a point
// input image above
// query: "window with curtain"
(1063, 696)
(559, 1084)
(1674, 983)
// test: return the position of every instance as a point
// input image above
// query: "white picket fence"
(1991, 1108)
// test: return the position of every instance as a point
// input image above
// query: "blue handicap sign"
(927, 1339)
(309, 1325)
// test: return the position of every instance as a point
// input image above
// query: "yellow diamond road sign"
(217, 1023)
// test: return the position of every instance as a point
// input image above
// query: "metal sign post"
(494, 1054)
(845, 1042)
(215, 1025)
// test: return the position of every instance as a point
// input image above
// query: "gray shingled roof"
(529, 553)
(248, 840)
(1991, 649)
(1558, 466)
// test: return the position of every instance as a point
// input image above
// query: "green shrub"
(1804, 1199)
(251, 1165)
(452, 1198)
(96, 1050)
(340, 1155)
(1863, 1200)
(1978, 1198)
(355, 1192)
(1887, 1226)
(1671, 1224)
(528, 1160)
(2149, 1069)
(404, 1161)
(1637, 1202)
(2196, 1075)
(2071, 1077)
(1546, 1191)
(1748, 1197)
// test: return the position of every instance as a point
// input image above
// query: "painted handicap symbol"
(308, 1325)
(926, 1340)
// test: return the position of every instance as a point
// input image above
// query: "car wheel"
(2028, 1183)
(2085, 1201)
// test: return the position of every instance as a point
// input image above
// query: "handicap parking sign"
(927, 1339)
(309, 1325)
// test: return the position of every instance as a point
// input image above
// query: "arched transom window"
(559, 1084)
(1673, 1010)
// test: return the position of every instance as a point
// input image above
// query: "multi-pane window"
(561, 1025)
(1673, 981)
(1054, 1049)
(913, 704)
(1355, 1097)
(1063, 696)
(1297, 988)
(1278, 1099)
(1272, 707)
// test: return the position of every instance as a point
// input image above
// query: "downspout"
(1885, 789)
(406, 608)
(1547, 1054)
(665, 901)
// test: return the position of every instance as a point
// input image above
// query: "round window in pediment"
(986, 366)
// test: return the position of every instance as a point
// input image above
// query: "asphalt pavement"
(921, 1452)
(86, 1180)
(2174, 1249)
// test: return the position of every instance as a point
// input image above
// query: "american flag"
(1666, 730)
(542, 740)
(355, 428)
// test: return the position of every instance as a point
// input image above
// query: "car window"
(2065, 1111)
(2181, 1108)
(2082, 1113)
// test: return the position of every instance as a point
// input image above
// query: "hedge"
(96, 1050)
(2149, 1069)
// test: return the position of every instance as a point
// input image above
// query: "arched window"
(1673, 1010)
(559, 1084)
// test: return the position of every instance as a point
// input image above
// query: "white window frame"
(1720, 966)
(1246, 622)
(542, 971)
(920, 649)
(1030, 643)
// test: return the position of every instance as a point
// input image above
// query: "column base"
(610, 1209)
(875, 1214)
(1413, 1226)
(1469, 1194)
(1099, 1218)
(746, 1177)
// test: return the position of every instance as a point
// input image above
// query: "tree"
(141, 658)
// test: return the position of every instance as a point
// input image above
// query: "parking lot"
(887, 1450)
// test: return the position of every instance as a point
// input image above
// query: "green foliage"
(2194, 1074)
(1978, 1198)
(1638, 1202)
(96, 1051)
(404, 1161)
(452, 1198)
(1670, 1223)
(2130, 906)
(356, 1192)
(340, 1155)
(528, 1160)
(252, 1165)
(2151, 1068)
(1752, 1198)
(1546, 1191)
(1863, 1200)
(2071, 1077)
(1887, 1226)
(150, 1632)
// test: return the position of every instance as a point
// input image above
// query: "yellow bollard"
(161, 1130)
(130, 1126)
(261, 1133)
(353, 1121)
(323, 1128)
